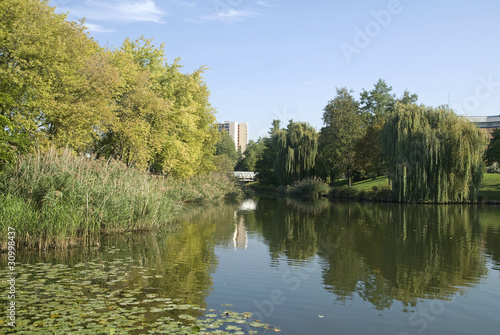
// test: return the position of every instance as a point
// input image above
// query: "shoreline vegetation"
(372, 189)
(57, 199)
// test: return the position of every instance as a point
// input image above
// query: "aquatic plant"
(100, 297)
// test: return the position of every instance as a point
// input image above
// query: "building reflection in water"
(240, 237)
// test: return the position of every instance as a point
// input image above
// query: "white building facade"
(238, 133)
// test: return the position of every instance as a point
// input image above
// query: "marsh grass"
(57, 199)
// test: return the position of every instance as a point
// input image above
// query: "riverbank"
(57, 200)
(378, 189)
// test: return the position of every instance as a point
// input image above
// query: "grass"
(56, 199)
(490, 187)
(489, 190)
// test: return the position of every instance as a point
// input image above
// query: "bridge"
(245, 176)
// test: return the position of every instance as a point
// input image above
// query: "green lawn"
(490, 187)
(364, 185)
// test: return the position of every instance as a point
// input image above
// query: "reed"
(57, 199)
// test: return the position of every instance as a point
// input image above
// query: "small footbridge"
(245, 176)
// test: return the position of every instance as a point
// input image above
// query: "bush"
(310, 188)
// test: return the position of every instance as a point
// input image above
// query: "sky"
(284, 59)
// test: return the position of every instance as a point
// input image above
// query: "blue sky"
(283, 59)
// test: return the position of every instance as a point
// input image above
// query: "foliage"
(59, 87)
(295, 149)
(434, 155)
(57, 83)
(493, 151)
(164, 120)
(369, 153)
(377, 103)
(253, 153)
(264, 165)
(344, 126)
(309, 188)
(227, 147)
(12, 143)
(226, 155)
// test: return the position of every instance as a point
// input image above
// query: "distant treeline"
(429, 154)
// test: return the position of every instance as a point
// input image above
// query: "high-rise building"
(238, 133)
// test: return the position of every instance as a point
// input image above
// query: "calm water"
(315, 267)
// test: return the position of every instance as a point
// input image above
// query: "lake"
(301, 267)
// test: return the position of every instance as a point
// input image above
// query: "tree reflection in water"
(381, 252)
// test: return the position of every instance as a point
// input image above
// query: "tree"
(377, 103)
(253, 154)
(12, 142)
(295, 149)
(408, 98)
(57, 83)
(163, 119)
(433, 155)
(227, 147)
(226, 155)
(369, 153)
(493, 151)
(344, 125)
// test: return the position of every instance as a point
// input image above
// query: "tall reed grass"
(57, 199)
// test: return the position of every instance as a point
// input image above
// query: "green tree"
(377, 103)
(163, 118)
(368, 157)
(295, 149)
(12, 142)
(226, 155)
(57, 83)
(344, 125)
(227, 147)
(253, 154)
(368, 150)
(493, 151)
(408, 98)
(264, 165)
(433, 155)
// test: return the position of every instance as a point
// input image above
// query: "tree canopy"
(60, 87)
(493, 152)
(344, 125)
(434, 155)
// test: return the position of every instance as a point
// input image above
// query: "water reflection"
(381, 253)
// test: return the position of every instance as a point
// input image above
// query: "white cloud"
(97, 28)
(231, 14)
(119, 10)
(264, 4)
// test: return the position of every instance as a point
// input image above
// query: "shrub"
(310, 188)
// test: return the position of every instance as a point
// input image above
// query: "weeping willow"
(295, 149)
(434, 155)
